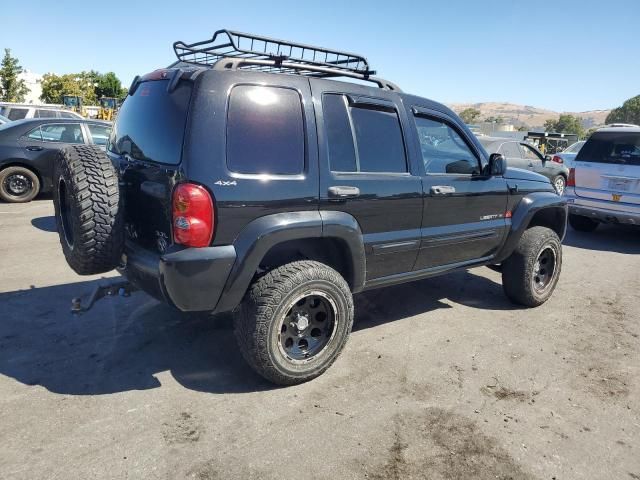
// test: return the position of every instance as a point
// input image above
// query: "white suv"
(604, 183)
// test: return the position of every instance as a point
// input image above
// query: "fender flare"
(260, 235)
(524, 212)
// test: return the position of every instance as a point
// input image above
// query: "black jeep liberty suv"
(245, 178)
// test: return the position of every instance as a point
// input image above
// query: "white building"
(33, 82)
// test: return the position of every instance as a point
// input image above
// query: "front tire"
(18, 185)
(294, 322)
(582, 224)
(531, 273)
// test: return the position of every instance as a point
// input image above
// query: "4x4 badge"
(226, 183)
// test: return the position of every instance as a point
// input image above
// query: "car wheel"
(86, 199)
(530, 274)
(18, 185)
(294, 322)
(582, 224)
(559, 183)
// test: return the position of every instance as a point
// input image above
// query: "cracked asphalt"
(441, 379)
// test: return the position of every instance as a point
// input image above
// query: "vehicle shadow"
(46, 224)
(129, 343)
(606, 238)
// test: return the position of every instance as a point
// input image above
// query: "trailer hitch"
(119, 287)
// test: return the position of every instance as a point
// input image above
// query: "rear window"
(611, 147)
(265, 131)
(150, 125)
(17, 113)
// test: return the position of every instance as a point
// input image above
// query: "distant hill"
(528, 115)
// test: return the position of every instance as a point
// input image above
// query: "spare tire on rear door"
(89, 214)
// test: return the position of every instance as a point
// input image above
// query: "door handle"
(342, 192)
(531, 164)
(442, 189)
(34, 148)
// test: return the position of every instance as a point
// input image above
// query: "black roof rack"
(254, 52)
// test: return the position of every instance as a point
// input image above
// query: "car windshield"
(612, 147)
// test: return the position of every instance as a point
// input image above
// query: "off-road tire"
(256, 323)
(5, 192)
(582, 223)
(86, 198)
(518, 271)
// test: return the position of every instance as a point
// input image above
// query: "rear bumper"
(191, 279)
(603, 211)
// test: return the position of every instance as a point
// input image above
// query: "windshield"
(612, 147)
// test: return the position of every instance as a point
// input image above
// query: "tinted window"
(509, 149)
(611, 147)
(151, 123)
(379, 140)
(99, 133)
(443, 150)
(64, 133)
(265, 131)
(342, 154)
(43, 113)
(17, 113)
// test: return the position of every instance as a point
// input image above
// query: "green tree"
(499, 120)
(469, 115)
(82, 84)
(565, 124)
(629, 112)
(109, 85)
(12, 88)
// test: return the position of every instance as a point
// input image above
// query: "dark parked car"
(278, 194)
(526, 156)
(28, 149)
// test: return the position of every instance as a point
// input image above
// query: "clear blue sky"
(571, 55)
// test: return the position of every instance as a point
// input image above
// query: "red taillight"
(571, 181)
(193, 215)
(557, 159)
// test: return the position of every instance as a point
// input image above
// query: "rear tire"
(86, 198)
(531, 273)
(18, 185)
(582, 224)
(294, 322)
(559, 184)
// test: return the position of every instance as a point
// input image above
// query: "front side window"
(443, 149)
(362, 138)
(63, 133)
(17, 113)
(265, 131)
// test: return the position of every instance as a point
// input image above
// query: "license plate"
(619, 185)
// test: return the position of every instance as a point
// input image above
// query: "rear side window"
(17, 113)
(265, 131)
(44, 113)
(611, 147)
(362, 138)
(150, 125)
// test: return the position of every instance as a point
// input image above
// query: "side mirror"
(497, 165)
